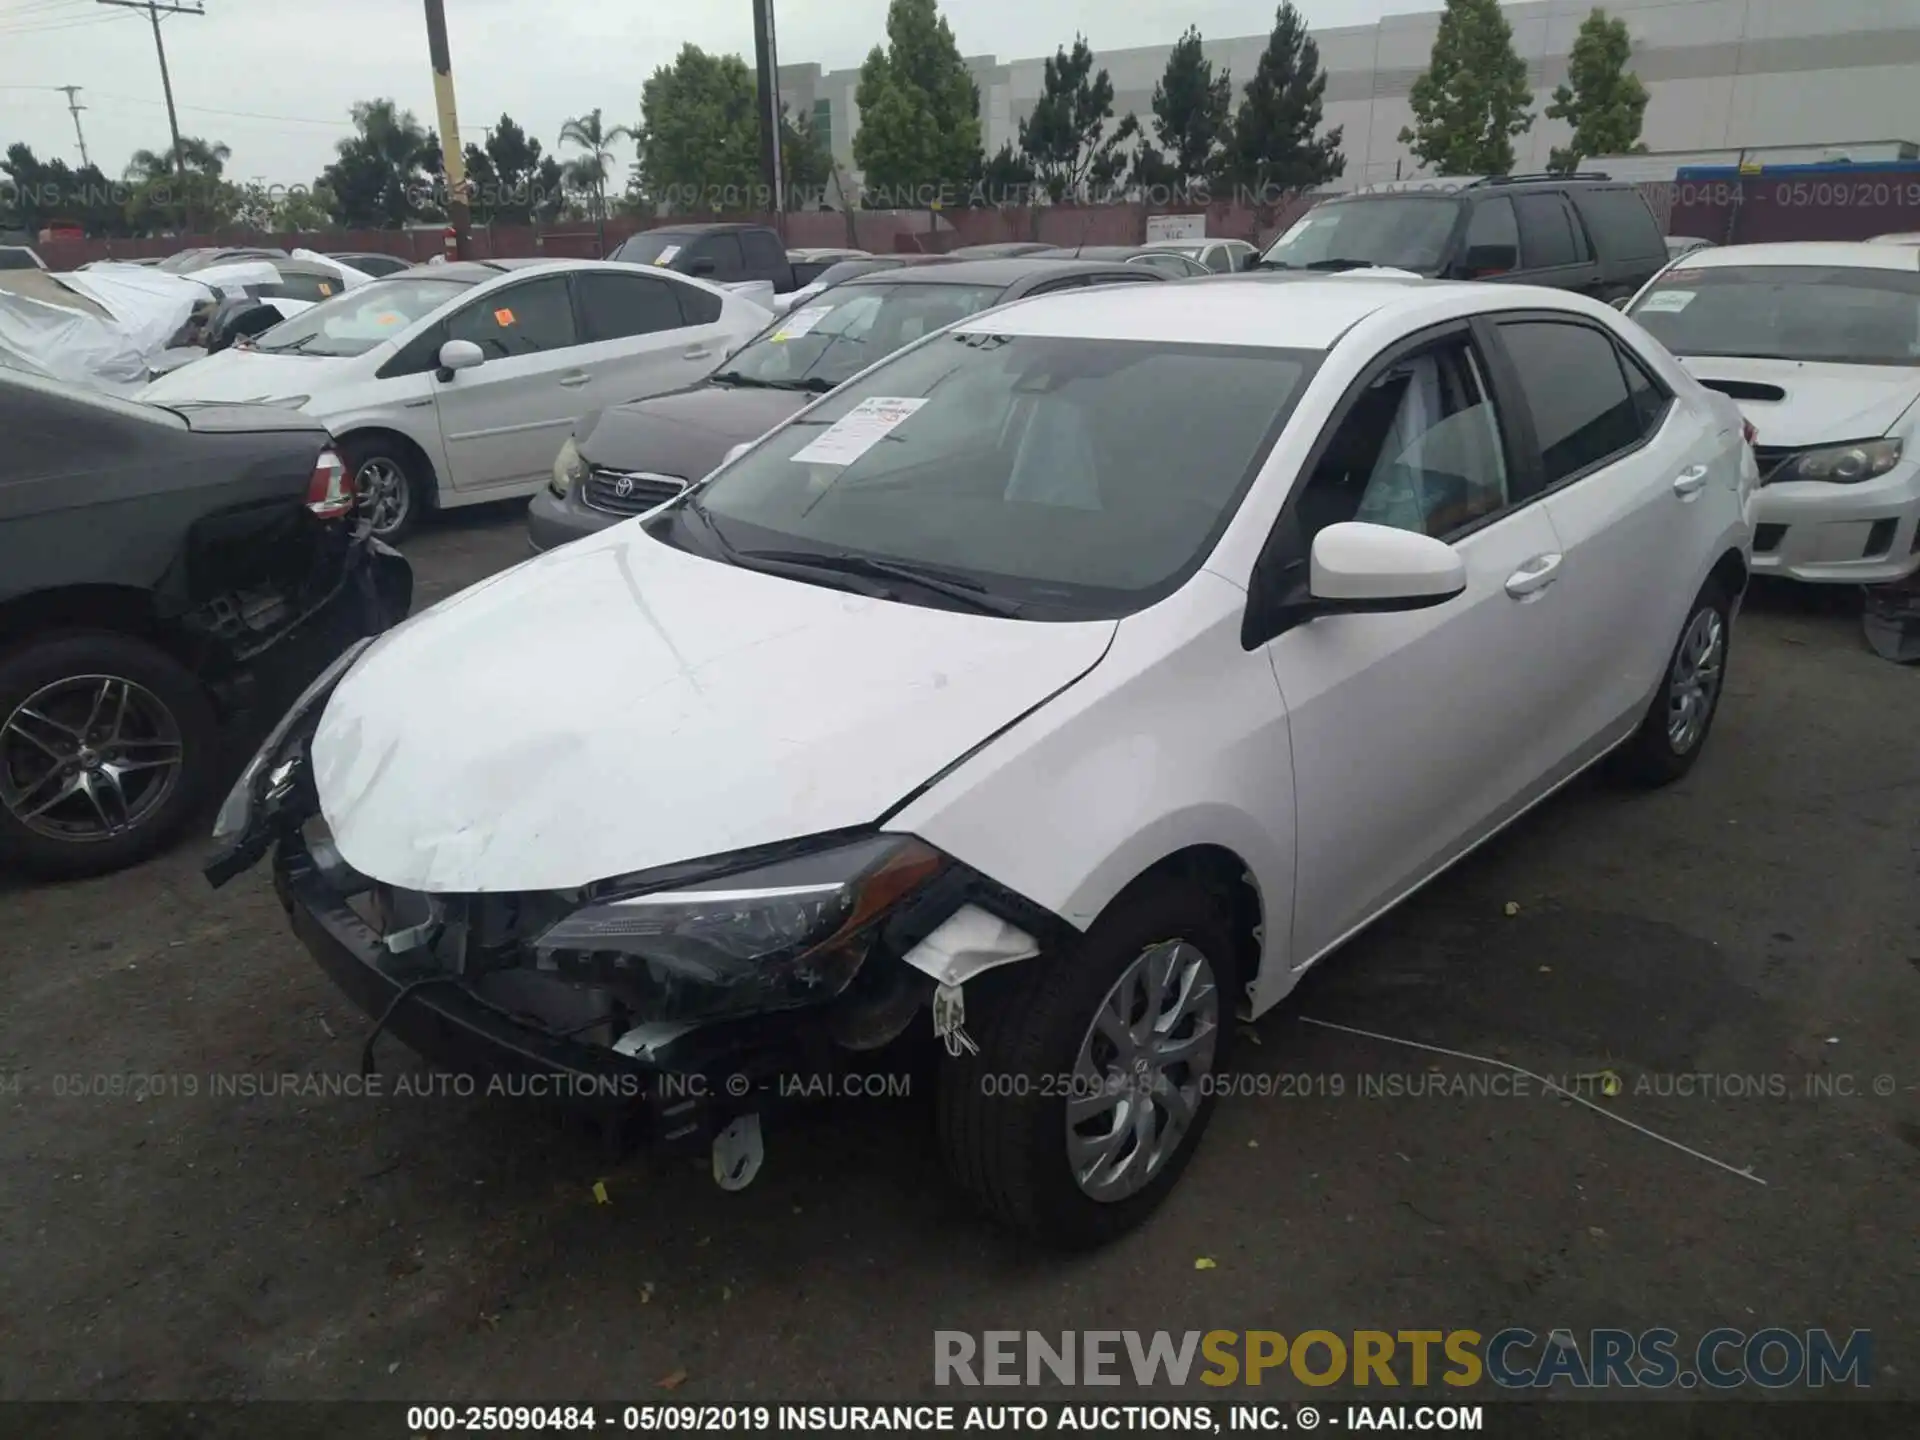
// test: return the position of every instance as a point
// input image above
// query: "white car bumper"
(1865, 534)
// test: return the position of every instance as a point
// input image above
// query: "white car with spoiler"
(1819, 343)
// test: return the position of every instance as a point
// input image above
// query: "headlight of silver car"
(790, 933)
(568, 469)
(1840, 464)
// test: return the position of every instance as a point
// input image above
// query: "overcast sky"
(294, 66)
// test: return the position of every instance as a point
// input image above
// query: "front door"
(1414, 734)
(504, 421)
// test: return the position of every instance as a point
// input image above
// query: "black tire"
(1003, 1120)
(370, 460)
(1653, 758)
(156, 679)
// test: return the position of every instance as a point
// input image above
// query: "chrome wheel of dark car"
(89, 758)
(383, 495)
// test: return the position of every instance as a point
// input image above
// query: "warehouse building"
(1723, 75)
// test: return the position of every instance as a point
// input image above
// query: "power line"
(154, 11)
(80, 24)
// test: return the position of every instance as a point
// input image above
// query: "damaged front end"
(692, 998)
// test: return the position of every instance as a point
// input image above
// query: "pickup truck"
(723, 254)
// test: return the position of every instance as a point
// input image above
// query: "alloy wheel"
(1140, 1076)
(89, 758)
(1694, 685)
(382, 495)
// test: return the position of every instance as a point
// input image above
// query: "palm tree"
(198, 157)
(589, 172)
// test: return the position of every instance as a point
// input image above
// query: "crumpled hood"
(687, 433)
(617, 704)
(1823, 403)
(248, 375)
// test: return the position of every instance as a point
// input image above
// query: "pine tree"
(1474, 97)
(1192, 119)
(1275, 148)
(1065, 138)
(1603, 101)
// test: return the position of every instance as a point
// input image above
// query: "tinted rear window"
(1622, 225)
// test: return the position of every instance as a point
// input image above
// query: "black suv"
(1578, 232)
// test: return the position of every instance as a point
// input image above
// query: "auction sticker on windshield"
(858, 431)
(665, 257)
(801, 323)
(1666, 302)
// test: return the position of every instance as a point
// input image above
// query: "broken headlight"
(238, 830)
(790, 933)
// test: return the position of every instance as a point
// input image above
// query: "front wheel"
(106, 748)
(1094, 1078)
(1675, 729)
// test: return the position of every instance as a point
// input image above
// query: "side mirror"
(1361, 568)
(736, 452)
(1620, 302)
(703, 266)
(1252, 261)
(458, 355)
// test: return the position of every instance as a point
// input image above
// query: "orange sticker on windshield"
(389, 318)
(325, 289)
(503, 318)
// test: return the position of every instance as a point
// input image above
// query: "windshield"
(356, 320)
(1801, 312)
(1407, 232)
(652, 248)
(1077, 478)
(836, 335)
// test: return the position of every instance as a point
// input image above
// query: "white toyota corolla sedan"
(1820, 344)
(1059, 687)
(452, 385)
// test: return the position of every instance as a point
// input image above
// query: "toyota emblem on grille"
(623, 487)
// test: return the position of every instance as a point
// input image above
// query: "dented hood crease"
(618, 704)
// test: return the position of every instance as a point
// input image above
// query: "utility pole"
(154, 11)
(766, 56)
(453, 159)
(74, 105)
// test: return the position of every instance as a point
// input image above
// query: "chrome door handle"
(700, 352)
(575, 380)
(1690, 482)
(1534, 576)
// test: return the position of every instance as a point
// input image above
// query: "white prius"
(1059, 687)
(1820, 344)
(457, 384)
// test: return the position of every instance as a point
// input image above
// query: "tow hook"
(738, 1152)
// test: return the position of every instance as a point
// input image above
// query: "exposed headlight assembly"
(1847, 464)
(569, 469)
(240, 833)
(790, 933)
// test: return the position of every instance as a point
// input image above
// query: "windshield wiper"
(939, 582)
(1266, 264)
(813, 384)
(1342, 264)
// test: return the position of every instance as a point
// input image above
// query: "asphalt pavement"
(1741, 953)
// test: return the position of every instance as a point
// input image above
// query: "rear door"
(1553, 244)
(637, 338)
(1629, 473)
(503, 421)
(1632, 249)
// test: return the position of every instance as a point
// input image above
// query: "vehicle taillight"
(328, 494)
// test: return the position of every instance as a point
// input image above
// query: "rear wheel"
(1678, 721)
(389, 496)
(107, 746)
(1094, 1081)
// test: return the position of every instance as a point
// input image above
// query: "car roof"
(695, 229)
(1311, 313)
(1851, 254)
(1006, 271)
(1091, 252)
